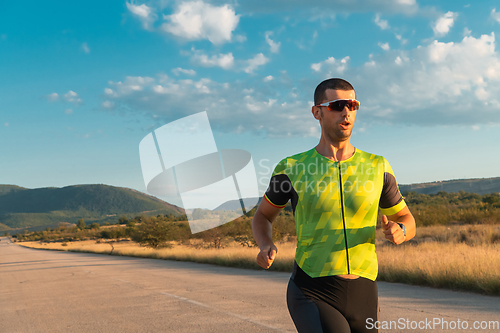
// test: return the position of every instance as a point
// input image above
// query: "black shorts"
(331, 304)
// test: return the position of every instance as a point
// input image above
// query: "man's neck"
(336, 151)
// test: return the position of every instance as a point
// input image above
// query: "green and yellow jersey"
(335, 205)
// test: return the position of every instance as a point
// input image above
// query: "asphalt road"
(48, 291)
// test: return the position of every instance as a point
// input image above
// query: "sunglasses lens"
(336, 106)
(340, 105)
(354, 105)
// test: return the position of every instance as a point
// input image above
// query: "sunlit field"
(443, 265)
(453, 257)
(233, 255)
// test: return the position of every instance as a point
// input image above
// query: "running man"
(335, 192)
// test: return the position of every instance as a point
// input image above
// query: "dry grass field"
(455, 257)
(233, 255)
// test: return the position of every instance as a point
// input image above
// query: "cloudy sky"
(82, 83)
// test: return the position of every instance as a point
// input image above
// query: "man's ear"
(316, 112)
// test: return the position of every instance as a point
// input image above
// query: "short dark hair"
(334, 84)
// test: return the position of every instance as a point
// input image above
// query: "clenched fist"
(393, 231)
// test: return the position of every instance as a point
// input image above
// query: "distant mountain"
(236, 205)
(4, 189)
(23, 208)
(4, 227)
(476, 185)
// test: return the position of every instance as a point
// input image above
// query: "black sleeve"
(390, 196)
(280, 190)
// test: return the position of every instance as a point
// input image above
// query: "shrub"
(152, 232)
(81, 224)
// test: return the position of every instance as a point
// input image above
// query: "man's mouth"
(345, 125)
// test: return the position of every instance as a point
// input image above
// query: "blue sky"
(83, 82)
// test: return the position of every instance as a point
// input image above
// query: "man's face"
(337, 126)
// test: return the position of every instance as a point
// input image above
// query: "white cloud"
(401, 39)
(467, 32)
(177, 71)
(144, 13)
(70, 96)
(371, 62)
(406, 2)
(383, 24)
(73, 97)
(275, 47)
(436, 84)
(494, 15)
(240, 38)
(225, 61)
(310, 7)
(85, 48)
(433, 84)
(255, 62)
(443, 24)
(384, 46)
(53, 97)
(130, 85)
(313, 8)
(481, 93)
(236, 106)
(108, 105)
(197, 20)
(268, 78)
(331, 66)
(68, 111)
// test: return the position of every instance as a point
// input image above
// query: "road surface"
(48, 291)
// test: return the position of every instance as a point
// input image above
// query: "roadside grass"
(233, 255)
(459, 257)
(442, 265)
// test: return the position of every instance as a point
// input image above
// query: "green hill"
(3, 227)
(4, 189)
(476, 185)
(24, 208)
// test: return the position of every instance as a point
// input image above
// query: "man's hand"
(266, 256)
(392, 231)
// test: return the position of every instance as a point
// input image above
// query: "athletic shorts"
(331, 304)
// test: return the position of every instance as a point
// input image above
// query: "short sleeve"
(280, 188)
(391, 200)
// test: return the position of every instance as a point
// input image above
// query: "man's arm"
(262, 232)
(393, 231)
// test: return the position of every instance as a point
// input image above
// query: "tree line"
(445, 208)
(157, 231)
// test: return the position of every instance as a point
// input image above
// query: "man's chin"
(344, 134)
(340, 137)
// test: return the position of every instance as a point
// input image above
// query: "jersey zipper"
(343, 219)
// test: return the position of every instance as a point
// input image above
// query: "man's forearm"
(262, 230)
